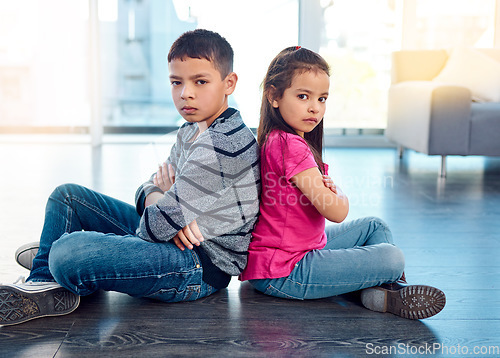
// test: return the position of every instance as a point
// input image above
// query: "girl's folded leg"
(360, 232)
(372, 269)
(325, 273)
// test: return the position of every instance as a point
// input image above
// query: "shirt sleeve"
(148, 187)
(291, 154)
(142, 192)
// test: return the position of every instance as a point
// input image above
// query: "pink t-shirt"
(289, 226)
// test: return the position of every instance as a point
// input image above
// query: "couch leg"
(401, 150)
(442, 170)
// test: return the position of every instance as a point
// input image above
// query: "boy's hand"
(188, 236)
(329, 183)
(165, 177)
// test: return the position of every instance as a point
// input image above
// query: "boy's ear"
(230, 81)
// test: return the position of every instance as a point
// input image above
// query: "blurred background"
(94, 67)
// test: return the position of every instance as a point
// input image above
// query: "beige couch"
(438, 118)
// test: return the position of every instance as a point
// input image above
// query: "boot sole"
(415, 301)
(17, 306)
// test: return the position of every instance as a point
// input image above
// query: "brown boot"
(407, 301)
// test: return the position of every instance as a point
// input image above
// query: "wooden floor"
(449, 230)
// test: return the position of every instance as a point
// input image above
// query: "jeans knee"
(378, 222)
(394, 259)
(63, 259)
(62, 191)
(381, 226)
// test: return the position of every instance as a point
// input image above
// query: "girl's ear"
(271, 97)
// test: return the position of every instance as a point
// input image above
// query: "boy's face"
(199, 93)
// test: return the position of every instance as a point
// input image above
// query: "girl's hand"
(165, 177)
(326, 197)
(329, 183)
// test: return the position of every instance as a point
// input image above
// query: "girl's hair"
(287, 64)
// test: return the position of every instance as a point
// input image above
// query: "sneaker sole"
(415, 301)
(17, 306)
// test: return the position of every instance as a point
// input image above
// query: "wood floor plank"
(34, 339)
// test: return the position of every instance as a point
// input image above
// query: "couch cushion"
(417, 65)
(485, 129)
(474, 70)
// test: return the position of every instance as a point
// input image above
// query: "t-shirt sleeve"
(291, 154)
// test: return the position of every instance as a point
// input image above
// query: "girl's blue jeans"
(359, 254)
(88, 243)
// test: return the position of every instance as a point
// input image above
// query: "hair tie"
(297, 47)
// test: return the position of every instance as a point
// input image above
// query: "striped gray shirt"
(217, 183)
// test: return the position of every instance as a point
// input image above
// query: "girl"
(291, 255)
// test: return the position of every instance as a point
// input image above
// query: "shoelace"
(402, 279)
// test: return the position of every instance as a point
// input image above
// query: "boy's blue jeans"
(88, 243)
(359, 254)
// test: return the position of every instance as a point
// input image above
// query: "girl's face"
(303, 104)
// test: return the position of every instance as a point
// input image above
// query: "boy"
(190, 229)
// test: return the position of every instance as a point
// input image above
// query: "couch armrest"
(450, 121)
(429, 117)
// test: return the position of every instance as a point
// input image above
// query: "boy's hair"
(205, 44)
(288, 63)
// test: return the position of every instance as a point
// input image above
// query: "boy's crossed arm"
(190, 234)
(213, 193)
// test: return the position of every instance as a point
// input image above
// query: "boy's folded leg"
(23, 302)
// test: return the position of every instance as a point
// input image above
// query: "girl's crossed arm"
(326, 197)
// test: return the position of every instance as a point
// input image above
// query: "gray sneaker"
(25, 301)
(26, 253)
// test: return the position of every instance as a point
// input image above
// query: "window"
(134, 74)
(44, 54)
(44, 57)
(358, 38)
(447, 23)
(43, 64)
